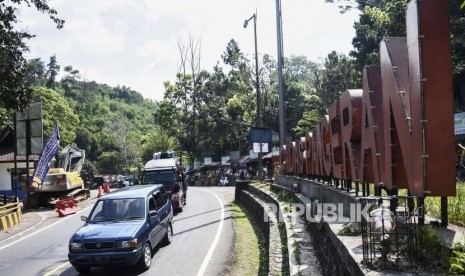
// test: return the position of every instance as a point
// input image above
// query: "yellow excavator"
(63, 180)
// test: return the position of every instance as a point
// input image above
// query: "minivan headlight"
(75, 246)
(127, 244)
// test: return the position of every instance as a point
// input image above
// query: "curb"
(35, 218)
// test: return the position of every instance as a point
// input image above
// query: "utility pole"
(282, 106)
(257, 87)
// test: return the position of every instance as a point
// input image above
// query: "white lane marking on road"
(51, 272)
(40, 230)
(208, 257)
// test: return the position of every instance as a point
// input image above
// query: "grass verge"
(251, 257)
(455, 206)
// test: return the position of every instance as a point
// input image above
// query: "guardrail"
(10, 215)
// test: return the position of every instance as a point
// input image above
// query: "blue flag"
(50, 150)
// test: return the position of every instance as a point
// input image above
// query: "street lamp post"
(257, 83)
(257, 87)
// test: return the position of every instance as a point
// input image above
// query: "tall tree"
(269, 93)
(15, 90)
(35, 72)
(183, 94)
(69, 80)
(52, 72)
(339, 73)
(300, 74)
(378, 19)
(240, 97)
(119, 128)
(167, 117)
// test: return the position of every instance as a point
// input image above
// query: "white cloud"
(134, 43)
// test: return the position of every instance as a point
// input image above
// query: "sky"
(134, 42)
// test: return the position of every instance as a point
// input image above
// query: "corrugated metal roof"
(10, 157)
(244, 159)
(266, 156)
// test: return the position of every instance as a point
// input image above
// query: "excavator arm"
(72, 159)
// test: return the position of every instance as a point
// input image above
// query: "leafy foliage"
(433, 252)
(154, 142)
(107, 122)
(381, 19)
(457, 260)
(121, 130)
(55, 109)
(15, 91)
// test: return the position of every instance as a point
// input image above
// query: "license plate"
(102, 259)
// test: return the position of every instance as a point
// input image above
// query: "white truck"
(166, 169)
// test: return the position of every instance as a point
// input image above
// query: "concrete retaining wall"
(334, 257)
(332, 254)
(317, 191)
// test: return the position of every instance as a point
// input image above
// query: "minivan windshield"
(167, 178)
(118, 209)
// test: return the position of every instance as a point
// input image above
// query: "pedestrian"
(242, 176)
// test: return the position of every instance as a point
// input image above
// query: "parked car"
(123, 228)
(128, 180)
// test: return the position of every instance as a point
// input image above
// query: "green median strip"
(251, 257)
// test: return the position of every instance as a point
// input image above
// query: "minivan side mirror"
(84, 218)
(153, 213)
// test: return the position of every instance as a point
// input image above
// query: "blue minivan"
(123, 228)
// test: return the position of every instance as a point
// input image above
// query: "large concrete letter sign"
(372, 169)
(430, 69)
(398, 131)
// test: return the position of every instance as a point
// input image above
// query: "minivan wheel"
(169, 235)
(146, 259)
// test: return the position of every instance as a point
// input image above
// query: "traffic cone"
(99, 195)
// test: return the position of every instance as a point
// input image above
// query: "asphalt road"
(203, 242)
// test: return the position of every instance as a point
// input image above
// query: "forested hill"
(110, 123)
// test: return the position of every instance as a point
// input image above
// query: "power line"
(320, 30)
(321, 33)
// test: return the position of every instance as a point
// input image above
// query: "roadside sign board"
(29, 130)
(264, 147)
(207, 160)
(224, 160)
(260, 135)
